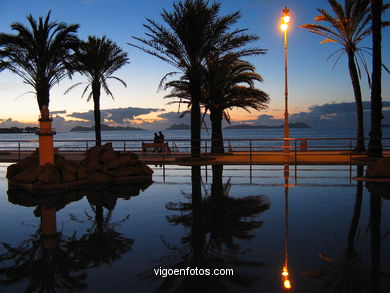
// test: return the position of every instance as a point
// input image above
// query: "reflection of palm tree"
(345, 274)
(42, 259)
(377, 276)
(214, 223)
(101, 244)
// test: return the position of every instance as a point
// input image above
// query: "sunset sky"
(311, 78)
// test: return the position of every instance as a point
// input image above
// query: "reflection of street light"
(285, 273)
(284, 27)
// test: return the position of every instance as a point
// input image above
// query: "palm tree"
(194, 31)
(375, 143)
(98, 58)
(348, 28)
(228, 82)
(40, 54)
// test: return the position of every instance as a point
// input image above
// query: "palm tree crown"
(193, 31)
(228, 82)
(348, 27)
(40, 54)
(98, 58)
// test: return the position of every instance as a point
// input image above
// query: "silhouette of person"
(160, 139)
(156, 140)
(161, 136)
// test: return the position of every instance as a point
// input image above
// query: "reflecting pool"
(260, 228)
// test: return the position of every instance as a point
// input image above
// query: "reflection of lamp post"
(285, 273)
(284, 26)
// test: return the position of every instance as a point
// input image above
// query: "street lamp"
(285, 19)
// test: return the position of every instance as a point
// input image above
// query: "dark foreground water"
(330, 232)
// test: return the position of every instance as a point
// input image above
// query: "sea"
(235, 139)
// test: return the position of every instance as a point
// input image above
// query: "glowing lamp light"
(283, 27)
(286, 18)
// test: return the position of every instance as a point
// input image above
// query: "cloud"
(9, 122)
(58, 112)
(121, 116)
(334, 115)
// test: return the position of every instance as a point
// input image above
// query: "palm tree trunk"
(358, 100)
(43, 96)
(216, 132)
(375, 143)
(96, 112)
(195, 91)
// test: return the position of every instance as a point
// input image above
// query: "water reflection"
(43, 260)
(48, 261)
(102, 244)
(217, 223)
(349, 273)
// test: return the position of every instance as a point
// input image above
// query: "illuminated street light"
(285, 19)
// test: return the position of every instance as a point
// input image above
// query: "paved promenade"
(235, 158)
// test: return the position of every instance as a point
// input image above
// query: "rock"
(118, 163)
(379, 169)
(93, 154)
(28, 163)
(49, 174)
(147, 170)
(68, 176)
(13, 170)
(33, 175)
(82, 172)
(108, 155)
(98, 177)
(132, 156)
(68, 166)
(22, 177)
(125, 171)
(95, 164)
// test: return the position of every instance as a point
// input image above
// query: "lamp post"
(284, 27)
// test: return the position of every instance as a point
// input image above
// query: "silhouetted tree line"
(19, 130)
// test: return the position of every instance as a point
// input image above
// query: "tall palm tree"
(228, 82)
(39, 54)
(348, 27)
(375, 143)
(98, 58)
(192, 31)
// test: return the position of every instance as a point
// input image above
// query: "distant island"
(249, 126)
(386, 125)
(105, 128)
(179, 127)
(19, 130)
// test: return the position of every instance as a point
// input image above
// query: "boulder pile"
(101, 165)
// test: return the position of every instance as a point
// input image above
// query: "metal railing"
(298, 149)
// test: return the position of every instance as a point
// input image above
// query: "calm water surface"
(328, 230)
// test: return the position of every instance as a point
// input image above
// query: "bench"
(161, 147)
